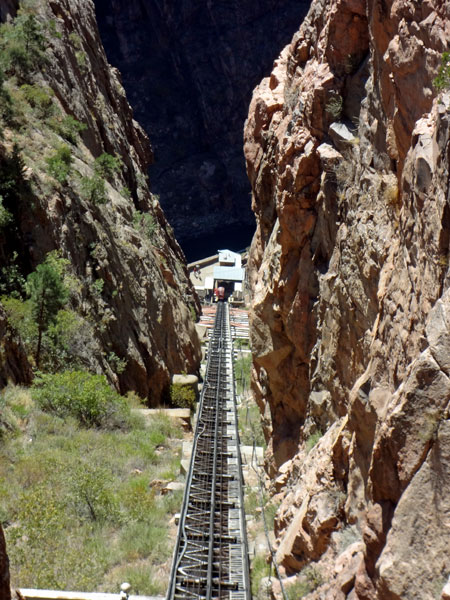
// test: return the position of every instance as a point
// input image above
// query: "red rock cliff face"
(347, 153)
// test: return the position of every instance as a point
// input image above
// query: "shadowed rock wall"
(130, 284)
(189, 69)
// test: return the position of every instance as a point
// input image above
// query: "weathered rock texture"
(5, 590)
(8, 8)
(189, 69)
(128, 280)
(347, 153)
(14, 365)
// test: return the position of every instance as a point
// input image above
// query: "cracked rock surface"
(347, 152)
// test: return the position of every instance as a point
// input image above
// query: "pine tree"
(48, 295)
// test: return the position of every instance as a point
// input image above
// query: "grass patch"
(312, 440)
(242, 369)
(250, 425)
(310, 579)
(259, 569)
(74, 491)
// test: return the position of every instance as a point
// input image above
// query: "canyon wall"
(347, 149)
(189, 69)
(133, 307)
(14, 365)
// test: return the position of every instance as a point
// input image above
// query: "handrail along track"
(211, 557)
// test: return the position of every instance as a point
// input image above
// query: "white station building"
(221, 270)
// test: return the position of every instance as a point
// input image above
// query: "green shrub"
(259, 570)
(68, 128)
(8, 421)
(91, 493)
(60, 163)
(22, 46)
(250, 425)
(21, 318)
(145, 224)
(182, 396)
(125, 192)
(39, 98)
(242, 370)
(94, 189)
(107, 165)
(51, 27)
(75, 40)
(86, 397)
(67, 336)
(442, 81)
(309, 580)
(118, 365)
(12, 183)
(6, 105)
(48, 294)
(5, 216)
(334, 107)
(81, 59)
(312, 440)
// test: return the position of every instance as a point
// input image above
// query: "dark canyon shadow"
(189, 69)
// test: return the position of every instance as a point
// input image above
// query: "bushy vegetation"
(250, 426)
(107, 165)
(68, 491)
(242, 370)
(309, 580)
(182, 396)
(48, 295)
(22, 46)
(442, 81)
(55, 337)
(145, 223)
(5, 216)
(88, 398)
(312, 440)
(93, 189)
(259, 569)
(68, 127)
(334, 107)
(39, 98)
(59, 163)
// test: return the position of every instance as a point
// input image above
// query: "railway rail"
(211, 556)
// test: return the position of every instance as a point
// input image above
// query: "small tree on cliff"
(48, 295)
(442, 81)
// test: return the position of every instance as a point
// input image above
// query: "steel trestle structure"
(211, 557)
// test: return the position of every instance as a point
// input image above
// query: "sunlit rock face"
(189, 69)
(347, 153)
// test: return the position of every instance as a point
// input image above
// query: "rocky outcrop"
(5, 590)
(14, 365)
(128, 280)
(8, 8)
(347, 152)
(189, 70)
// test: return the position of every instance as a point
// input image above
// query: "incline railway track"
(211, 556)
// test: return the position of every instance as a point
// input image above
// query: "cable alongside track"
(211, 557)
